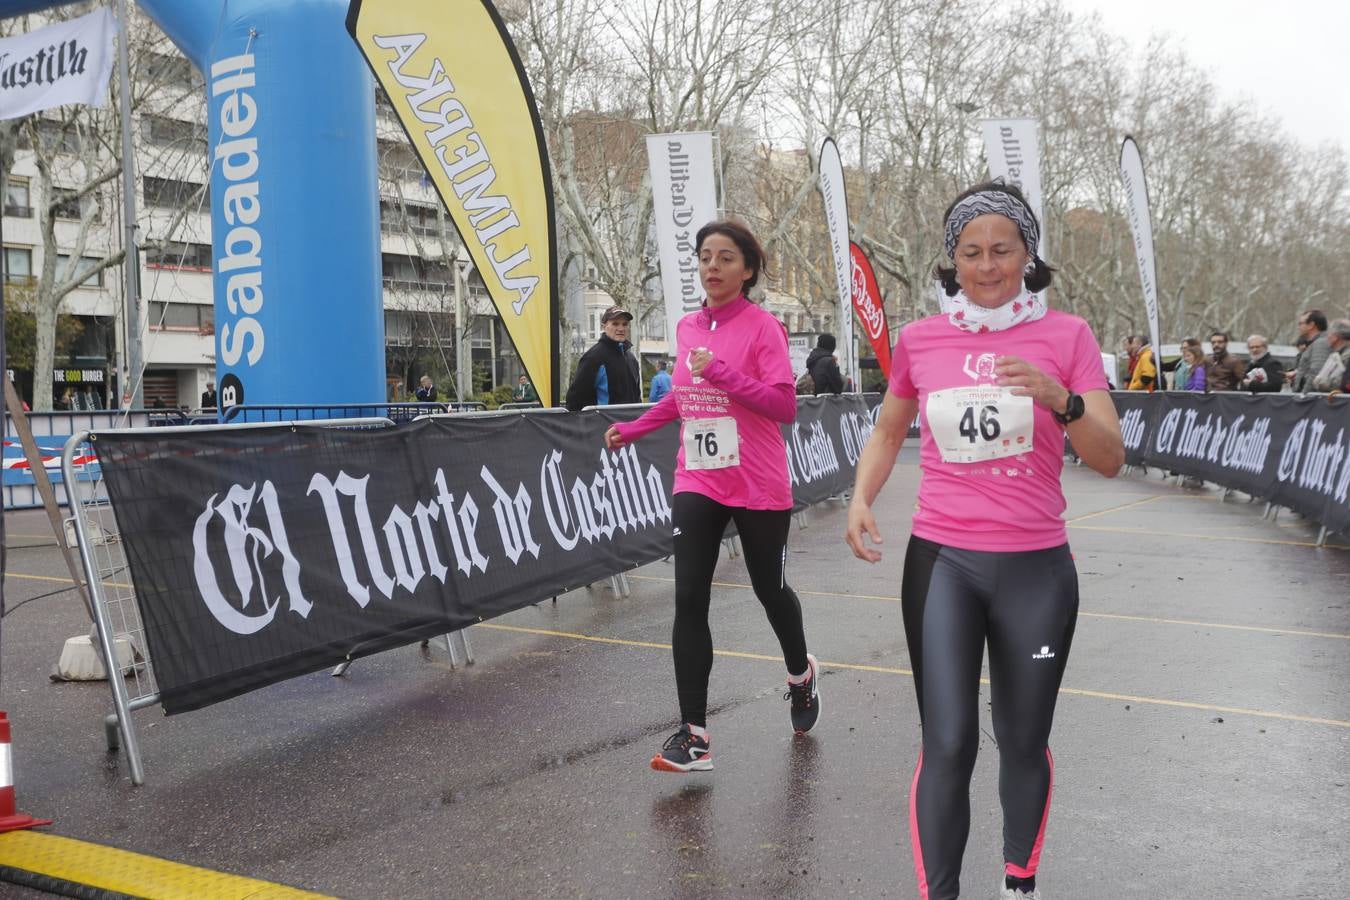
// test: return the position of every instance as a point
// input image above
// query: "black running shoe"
(805, 699)
(684, 752)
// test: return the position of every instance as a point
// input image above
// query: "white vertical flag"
(836, 221)
(68, 62)
(1012, 147)
(684, 199)
(1141, 226)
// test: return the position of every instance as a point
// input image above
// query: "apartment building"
(419, 247)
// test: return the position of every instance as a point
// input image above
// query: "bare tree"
(604, 77)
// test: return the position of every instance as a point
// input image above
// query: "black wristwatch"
(1074, 408)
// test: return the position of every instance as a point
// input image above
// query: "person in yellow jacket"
(1143, 367)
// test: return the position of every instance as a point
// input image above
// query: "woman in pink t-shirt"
(732, 388)
(997, 379)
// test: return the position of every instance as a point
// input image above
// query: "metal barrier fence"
(117, 618)
(106, 570)
(303, 412)
(50, 431)
(504, 410)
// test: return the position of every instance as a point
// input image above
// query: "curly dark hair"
(1041, 276)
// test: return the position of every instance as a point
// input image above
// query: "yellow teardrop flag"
(460, 92)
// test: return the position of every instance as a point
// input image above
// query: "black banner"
(824, 445)
(1292, 450)
(262, 554)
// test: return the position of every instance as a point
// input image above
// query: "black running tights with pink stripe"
(1024, 605)
(699, 524)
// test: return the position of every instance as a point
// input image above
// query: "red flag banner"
(871, 312)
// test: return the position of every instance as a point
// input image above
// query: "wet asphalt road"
(1202, 743)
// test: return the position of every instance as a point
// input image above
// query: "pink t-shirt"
(749, 381)
(981, 489)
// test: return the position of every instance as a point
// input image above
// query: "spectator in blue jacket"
(660, 383)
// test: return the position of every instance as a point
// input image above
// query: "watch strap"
(1074, 409)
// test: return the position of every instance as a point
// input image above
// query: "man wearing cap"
(608, 372)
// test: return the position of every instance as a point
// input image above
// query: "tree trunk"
(44, 316)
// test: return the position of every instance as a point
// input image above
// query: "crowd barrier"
(117, 616)
(1291, 450)
(398, 413)
(262, 552)
(51, 430)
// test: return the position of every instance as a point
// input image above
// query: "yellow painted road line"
(1205, 537)
(732, 584)
(734, 654)
(66, 580)
(1207, 707)
(37, 577)
(549, 632)
(1073, 523)
(895, 670)
(1260, 629)
(1119, 508)
(62, 860)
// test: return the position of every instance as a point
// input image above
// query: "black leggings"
(1024, 604)
(699, 525)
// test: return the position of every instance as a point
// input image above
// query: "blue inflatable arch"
(295, 217)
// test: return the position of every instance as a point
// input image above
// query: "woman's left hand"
(1028, 381)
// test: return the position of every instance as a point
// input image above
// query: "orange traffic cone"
(10, 820)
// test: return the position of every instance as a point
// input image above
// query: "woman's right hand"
(860, 522)
(699, 358)
(614, 440)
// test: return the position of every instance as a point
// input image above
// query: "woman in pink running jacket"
(733, 388)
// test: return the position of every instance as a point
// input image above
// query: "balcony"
(414, 227)
(423, 287)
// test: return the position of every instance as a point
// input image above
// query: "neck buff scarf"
(968, 316)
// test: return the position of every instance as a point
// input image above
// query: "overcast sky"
(1291, 58)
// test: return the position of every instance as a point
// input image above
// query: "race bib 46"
(973, 424)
